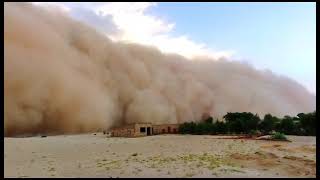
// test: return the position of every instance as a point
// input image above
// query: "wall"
(145, 125)
(165, 128)
(127, 131)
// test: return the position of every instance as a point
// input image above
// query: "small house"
(143, 129)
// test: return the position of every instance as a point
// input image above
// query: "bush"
(254, 133)
(220, 127)
(187, 128)
(201, 128)
(278, 136)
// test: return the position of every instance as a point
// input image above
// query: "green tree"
(187, 128)
(246, 122)
(209, 120)
(201, 128)
(251, 122)
(241, 122)
(268, 124)
(220, 127)
(287, 125)
(308, 123)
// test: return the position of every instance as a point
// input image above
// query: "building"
(144, 129)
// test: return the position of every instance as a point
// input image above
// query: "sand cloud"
(62, 76)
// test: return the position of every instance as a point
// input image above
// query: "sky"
(280, 37)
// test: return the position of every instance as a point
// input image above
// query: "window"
(142, 129)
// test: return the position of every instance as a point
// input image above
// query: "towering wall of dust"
(61, 76)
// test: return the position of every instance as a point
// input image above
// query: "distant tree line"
(247, 123)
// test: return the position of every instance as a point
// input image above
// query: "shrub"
(278, 136)
(220, 127)
(187, 128)
(254, 133)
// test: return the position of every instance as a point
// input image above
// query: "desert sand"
(96, 155)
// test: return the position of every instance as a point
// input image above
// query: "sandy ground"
(92, 155)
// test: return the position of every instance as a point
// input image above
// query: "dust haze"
(61, 76)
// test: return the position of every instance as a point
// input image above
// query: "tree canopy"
(246, 122)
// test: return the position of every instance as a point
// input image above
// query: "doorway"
(148, 131)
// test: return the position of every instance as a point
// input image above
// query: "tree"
(287, 125)
(213, 129)
(201, 128)
(268, 124)
(209, 120)
(251, 122)
(242, 122)
(220, 127)
(246, 122)
(187, 128)
(233, 122)
(308, 123)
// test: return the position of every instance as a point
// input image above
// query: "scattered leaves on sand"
(115, 164)
(190, 174)
(52, 169)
